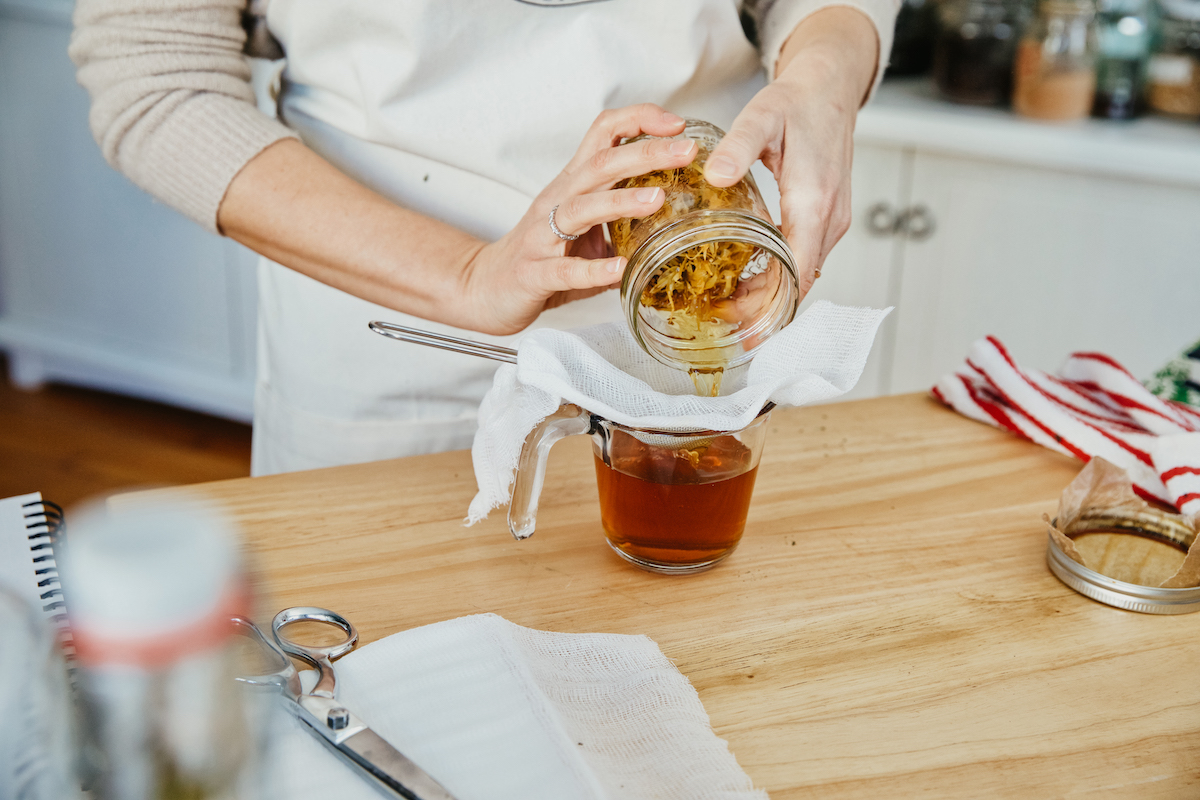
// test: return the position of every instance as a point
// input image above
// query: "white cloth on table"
(496, 711)
(1092, 407)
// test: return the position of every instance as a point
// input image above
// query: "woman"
(427, 176)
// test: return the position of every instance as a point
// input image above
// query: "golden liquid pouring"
(707, 381)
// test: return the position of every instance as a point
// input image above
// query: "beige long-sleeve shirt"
(172, 104)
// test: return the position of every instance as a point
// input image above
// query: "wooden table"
(887, 628)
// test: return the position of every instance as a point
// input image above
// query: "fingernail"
(648, 195)
(615, 265)
(671, 119)
(721, 167)
(681, 147)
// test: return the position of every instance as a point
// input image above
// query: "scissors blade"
(392, 768)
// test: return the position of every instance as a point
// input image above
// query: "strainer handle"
(568, 420)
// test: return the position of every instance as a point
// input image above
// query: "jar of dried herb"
(973, 54)
(1054, 77)
(1173, 79)
(710, 277)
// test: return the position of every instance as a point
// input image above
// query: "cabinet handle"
(882, 219)
(916, 222)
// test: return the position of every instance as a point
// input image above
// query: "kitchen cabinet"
(1052, 238)
(864, 268)
(100, 285)
(1049, 262)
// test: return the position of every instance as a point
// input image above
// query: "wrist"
(834, 50)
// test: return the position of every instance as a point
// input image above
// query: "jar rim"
(684, 234)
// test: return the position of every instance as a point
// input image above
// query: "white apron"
(462, 110)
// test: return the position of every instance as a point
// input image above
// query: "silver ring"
(566, 237)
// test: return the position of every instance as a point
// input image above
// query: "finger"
(612, 164)
(610, 127)
(584, 211)
(562, 298)
(568, 274)
(805, 223)
(752, 132)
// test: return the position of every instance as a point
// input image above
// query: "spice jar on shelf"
(973, 55)
(1123, 29)
(1054, 76)
(915, 33)
(709, 277)
(1173, 75)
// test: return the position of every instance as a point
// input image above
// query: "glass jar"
(1054, 77)
(1173, 74)
(1123, 34)
(912, 44)
(973, 56)
(710, 277)
(151, 593)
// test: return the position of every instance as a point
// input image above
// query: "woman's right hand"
(508, 283)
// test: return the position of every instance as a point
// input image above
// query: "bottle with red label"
(150, 594)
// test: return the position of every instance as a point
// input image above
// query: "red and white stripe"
(1093, 407)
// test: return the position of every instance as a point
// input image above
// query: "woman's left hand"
(802, 127)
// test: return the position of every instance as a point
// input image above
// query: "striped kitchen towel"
(1093, 407)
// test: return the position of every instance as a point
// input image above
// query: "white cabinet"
(863, 269)
(1051, 238)
(99, 284)
(1049, 262)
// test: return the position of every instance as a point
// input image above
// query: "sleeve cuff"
(201, 143)
(783, 17)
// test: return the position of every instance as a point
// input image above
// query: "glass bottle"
(149, 595)
(1173, 74)
(916, 32)
(38, 738)
(709, 277)
(1123, 29)
(1054, 77)
(972, 59)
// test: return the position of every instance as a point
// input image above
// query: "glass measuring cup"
(671, 502)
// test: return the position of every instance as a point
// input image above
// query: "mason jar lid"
(1118, 593)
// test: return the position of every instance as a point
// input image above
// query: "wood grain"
(71, 444)
(888, 626)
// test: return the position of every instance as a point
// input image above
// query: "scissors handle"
(319, 657)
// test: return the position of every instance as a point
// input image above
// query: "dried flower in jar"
(710, 277)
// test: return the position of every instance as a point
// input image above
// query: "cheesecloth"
(497, 711)
(818, 357)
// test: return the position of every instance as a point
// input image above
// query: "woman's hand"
(802, 127)
(294, 207)
(531, 269)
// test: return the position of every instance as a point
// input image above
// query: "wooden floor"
(72, 444)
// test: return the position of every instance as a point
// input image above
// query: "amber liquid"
(676, 510)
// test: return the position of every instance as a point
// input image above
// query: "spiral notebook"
(30, 531)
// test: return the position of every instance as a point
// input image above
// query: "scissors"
(383, 766)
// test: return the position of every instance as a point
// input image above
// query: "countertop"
(887, 628)
(906, 112)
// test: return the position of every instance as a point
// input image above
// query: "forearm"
(298, 210)
(172, 107)
(837, 47)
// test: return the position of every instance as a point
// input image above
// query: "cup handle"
(568, 420)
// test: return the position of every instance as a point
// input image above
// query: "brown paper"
(1102, 489)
